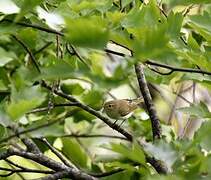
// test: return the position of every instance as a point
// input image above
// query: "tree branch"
(90, 110)
(56, 166)
(156, 128)
(173, 69)
(29, 130)
(48, 30)
(55, 152)
(158, 166)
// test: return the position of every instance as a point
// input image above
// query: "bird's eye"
(109, 105)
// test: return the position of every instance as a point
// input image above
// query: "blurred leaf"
(125, 175)
(202, 136)
(95, 35)
(94, 98)
(27, 6)
(24, 100)
(53, 130)
(125, 3)
(56, 70)
(162, 151)
(134, 153)
(80, 115)
(6, 57)
(187, 2)
(73, 88)
(147, 15)
(202, 24)
(151, 42)
(73, 150)
(29, 37)
(4, 118)
(200, 110)
(2, 131)
(192, 43)
(174, 24)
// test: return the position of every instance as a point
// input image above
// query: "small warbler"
(121, 108)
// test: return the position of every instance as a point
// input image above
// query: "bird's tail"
(138, 100)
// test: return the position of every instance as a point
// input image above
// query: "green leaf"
(125, 3)
(174, 24)
(6, 57)
(150, 43)
(199, 110)
(53, 130)
(202, 136)
(134, 153)
(4, 118)
(72, 88)
(2, 131)
(163, 151)
(24, 100)
(73, 150)
(146, 16)
(125, 175)
(57, 69)
(94, 98)
(192, 43)
(27, 6)
(201, 24)
(187, 2)
(87, 32)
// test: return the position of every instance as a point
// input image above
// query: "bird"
(121, 109)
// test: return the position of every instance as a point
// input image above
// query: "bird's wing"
(124, 110)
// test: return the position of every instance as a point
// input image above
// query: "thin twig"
(94, 136)
(26, 48)
(174, 69)
(48, 30)
(174, 105)
(55, 152)
(42, 48)
(90, 110)
(156, 164)
(30, 130)
(76, 53)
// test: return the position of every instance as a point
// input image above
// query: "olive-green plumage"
(121, 108)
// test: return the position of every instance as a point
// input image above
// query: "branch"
(56, 166)
(31, 146)
(76, 53)
(160, 169)
(156, 128)
(30, 130)
(94, 136)
(43, 109)
(28, 51)
(109, 173)
(55, 176)
(42, 48)
(26, 170)
(48, 30)
(89, 110)
(55, 152)
(173, 69)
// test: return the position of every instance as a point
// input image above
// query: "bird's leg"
(115, 122)
(122, 123)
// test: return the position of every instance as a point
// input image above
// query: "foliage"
(88, 49)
